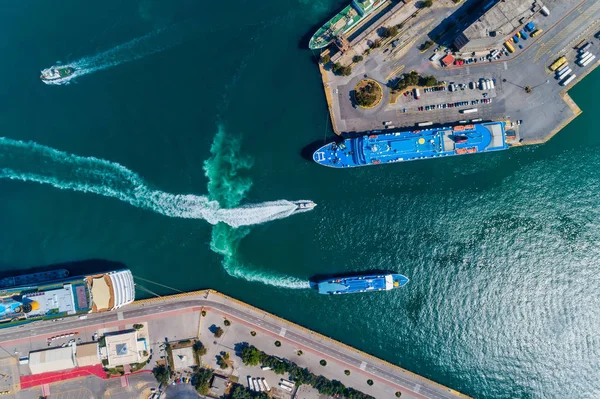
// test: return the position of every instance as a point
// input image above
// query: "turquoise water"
(181, 106)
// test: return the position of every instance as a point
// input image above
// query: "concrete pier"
(180, 317)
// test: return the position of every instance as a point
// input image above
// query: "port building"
(498, 19)
(49, 360)
(124, 348)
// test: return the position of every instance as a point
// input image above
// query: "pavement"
(543, 111)
(244, 318)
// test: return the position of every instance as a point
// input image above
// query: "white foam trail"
(130, 51)
(28, 161)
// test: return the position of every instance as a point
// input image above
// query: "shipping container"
(568, 80)
(587, 62)
(562, 68)
(509, 47)
(583, 55)
(468, 111)
(585, 47)
(564, 72)
(584, 59)
(536, 32)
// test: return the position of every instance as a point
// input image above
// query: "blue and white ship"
(401, 146)
(366, 283)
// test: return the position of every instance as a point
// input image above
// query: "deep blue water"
(501, 249)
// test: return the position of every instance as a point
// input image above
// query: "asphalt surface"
(418, 386)
(543, 111)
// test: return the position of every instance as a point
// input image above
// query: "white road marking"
(120, 316)
(363, 366)
(505, 65)
(282, 332)
(417, 388)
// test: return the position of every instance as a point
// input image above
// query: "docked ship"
(304, 205)
(44, 300)
(343, 22)
(56, 73)
(412, 145)
(365, 283)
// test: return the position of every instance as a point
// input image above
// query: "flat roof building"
(87, 355)
(49, 360)
(124, 348)
(499, 19)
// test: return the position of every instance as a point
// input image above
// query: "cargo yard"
(480, 60)
(70, 358)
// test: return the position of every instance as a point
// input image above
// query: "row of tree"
(414, 79)
(251, 356)
(241, 392)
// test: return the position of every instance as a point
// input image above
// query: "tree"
(138, 326)
(339, 69)
(367, 94)
(201, 380)
(389, 31)
(357, 58)
(241, 392)
(226, 322)
(325, 59)
(347, 372)
(426, 45)
(323, 362)
(251, 356)
(277, 343)
(224, 360)
(426, 3)
(370, 382)
(161, 374)
(199, 348)
(218, 332)
(398, 394)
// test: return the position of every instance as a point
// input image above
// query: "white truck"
(468, 111)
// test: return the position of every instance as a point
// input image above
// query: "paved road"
(542, 111)
(418, 386)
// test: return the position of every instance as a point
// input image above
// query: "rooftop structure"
(124, 348)
(498, 20)
(218, 385)
(87, 354)
(49, 360)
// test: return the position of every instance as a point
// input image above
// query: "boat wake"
(228, 184)
(28, 161)
(132, 50)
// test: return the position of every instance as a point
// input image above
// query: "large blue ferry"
(365, 283)
(401, 146)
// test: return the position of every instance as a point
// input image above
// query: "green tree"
(426, 3)
(426, 45)
(398, 394)
(224, 360)
(161, 374)
(199, 348)
(251, 356)
(357, 58)
(325, 59)
(138, 326)
(389, 31)
(218, 332)
(201, 380)
(323, 362)
(227, 323)
(347, 372)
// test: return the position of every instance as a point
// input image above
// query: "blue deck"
(367, 283)
(401, 146)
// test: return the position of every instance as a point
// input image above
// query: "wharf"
(167, 311)
(544, 109)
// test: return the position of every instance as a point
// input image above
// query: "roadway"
(416, 386)
(543, 111)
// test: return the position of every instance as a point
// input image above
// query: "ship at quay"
(49, 298)
(343, 22)
(412, 145)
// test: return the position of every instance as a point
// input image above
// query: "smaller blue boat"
(365, 283)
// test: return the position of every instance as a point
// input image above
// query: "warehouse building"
(56, 359)
(499, 19)
(87, 355)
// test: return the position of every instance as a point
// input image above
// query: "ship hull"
(413, 145)
(361, 284)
